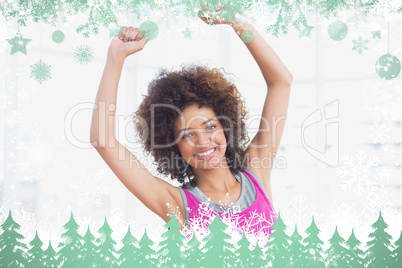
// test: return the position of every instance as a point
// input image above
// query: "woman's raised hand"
(222, 14)
(127, 42)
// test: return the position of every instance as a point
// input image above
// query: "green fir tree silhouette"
(296, 250)
(353, 254)
(128, 251)
(219, 252)
(336, 252)
(36, 254)
(71, 246)
(260, 258)
(313, 250)
(12, 252)
(379, 251)
(170, 248)
(279, 244)
(105, 256)
(145, 255)
(398, 252)
(49, 259)
(244, 252)
(193, 254)
(88, 250)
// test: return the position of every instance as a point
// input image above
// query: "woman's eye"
(186, 135)
(211, 127)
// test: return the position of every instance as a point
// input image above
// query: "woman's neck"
(214, 180)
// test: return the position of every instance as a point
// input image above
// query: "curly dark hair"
(193, 84)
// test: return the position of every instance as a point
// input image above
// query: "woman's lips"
(206, 156)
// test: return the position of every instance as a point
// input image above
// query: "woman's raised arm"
(152, 191)
(102, 126)
(264, 146)
(265, 143)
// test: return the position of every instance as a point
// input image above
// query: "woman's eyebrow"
(201, 124)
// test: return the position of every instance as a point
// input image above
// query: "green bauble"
(58, 36)
(337, 30)
(148, 30)
(388, 67)
(247, 36)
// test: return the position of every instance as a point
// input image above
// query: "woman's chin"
(214, 162)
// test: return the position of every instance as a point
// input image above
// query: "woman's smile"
(206, 154)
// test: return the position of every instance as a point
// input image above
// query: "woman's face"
(200, 137)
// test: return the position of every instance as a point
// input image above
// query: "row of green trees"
(281, 251)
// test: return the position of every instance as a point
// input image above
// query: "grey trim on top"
(247, 196)
(183, 195)
(259, 181)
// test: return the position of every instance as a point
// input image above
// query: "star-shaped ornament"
(376, 34)
(305, 31)
(187, 33)
(19, 43)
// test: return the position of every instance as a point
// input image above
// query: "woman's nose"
(203, 140)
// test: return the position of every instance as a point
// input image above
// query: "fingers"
(207, 7)
(215, 14)
(129, 34)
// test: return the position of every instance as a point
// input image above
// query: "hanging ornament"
(337, 30)
(247, 36)
(40, 71)
(148, 30)
(388, 66)
(84, 54)
(19, 43)
(58, 36)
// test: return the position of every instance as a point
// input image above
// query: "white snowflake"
(255, 221)
(332, 258)
(343, 215)
(298, 211)
(375, 202)
(90, 188)
(84, 54)
(35, 154)
(13, 116)
(379, 132)
(361, 174)
(40, 71)
(164, 252)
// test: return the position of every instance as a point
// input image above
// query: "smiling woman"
(196, 118)
(197, 109)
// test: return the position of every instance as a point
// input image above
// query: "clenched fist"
(127, 42)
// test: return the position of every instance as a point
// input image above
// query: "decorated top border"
(105, 13)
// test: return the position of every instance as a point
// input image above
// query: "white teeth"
(206, 153)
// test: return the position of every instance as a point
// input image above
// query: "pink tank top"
(256, 220)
